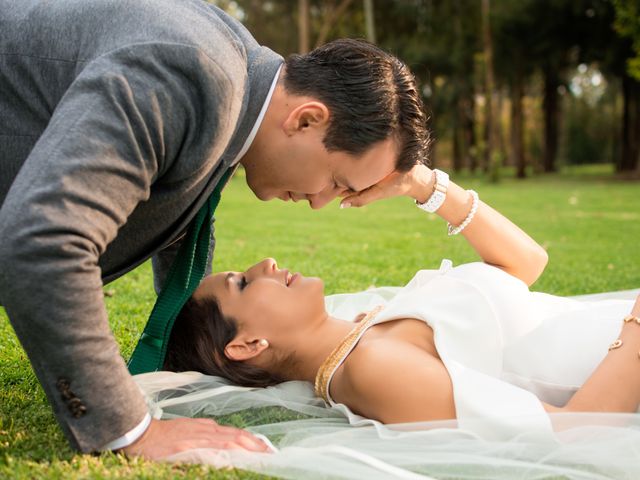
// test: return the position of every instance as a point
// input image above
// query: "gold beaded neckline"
(337, 356)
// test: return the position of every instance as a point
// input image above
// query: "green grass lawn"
(588, 221)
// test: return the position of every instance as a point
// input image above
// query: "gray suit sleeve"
(116, 130)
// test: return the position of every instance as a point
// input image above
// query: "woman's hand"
(635, 311)
(417, 183)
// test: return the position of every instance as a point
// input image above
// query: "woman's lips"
(293, 278)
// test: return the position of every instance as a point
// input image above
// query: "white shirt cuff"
(129, 437)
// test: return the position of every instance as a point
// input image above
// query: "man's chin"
(265, 196)
(261, 194)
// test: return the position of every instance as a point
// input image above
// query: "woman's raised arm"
(497, 240)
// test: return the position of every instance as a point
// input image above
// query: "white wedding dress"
(505, 348)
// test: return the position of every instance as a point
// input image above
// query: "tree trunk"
(369, 20)
(551, 107)
(628, 159)
(303, 26)
(499, 102)
(491, 119)
(456, 141)
(517, 122)
(334, 14)
(468, 134)
(464, 138)
(432, 160)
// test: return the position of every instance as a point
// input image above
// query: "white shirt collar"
(256, 126)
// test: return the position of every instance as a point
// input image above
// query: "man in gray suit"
(117, 120)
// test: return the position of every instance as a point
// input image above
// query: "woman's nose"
(269, 265)
(265, 267)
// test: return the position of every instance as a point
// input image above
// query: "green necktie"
(184, 276)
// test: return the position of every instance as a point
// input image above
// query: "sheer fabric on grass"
(315, 441)
(318, 442)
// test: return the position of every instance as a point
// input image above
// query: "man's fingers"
(253, 444)
(214, 442)
(163, 438)
(221, 442)
(244, 439)
(226, 442)
(233, 436)
(207, 422)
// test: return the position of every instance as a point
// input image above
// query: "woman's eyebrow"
(226, 280)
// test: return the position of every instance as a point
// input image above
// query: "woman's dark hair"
(197, 342)
(371, 95)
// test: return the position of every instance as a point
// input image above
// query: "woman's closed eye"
(243, 282)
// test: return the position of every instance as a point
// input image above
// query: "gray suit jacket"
(117, 118)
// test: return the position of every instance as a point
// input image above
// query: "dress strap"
(340, 353)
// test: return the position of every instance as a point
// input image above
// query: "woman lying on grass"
(463, 343)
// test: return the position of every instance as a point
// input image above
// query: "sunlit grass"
(589, 222)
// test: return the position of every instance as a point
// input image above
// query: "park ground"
(587, 218)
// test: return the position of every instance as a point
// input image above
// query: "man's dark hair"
(371, 95)
(197, 342)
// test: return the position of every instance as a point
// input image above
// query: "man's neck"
(272, 116)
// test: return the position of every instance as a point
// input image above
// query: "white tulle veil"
(314, 441)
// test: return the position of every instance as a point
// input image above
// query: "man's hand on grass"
(167, 437)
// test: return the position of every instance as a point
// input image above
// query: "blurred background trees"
(531, 84)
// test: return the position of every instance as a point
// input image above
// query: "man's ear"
(305, 115)
(241, 349)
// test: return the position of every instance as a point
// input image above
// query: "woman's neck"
(316, 345)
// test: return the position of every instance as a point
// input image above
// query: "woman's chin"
(315, 285)
(319, 283)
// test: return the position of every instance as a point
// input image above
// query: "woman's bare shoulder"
(394, 381)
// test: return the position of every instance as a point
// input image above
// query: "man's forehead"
(360, 173)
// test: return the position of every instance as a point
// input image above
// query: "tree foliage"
(627, 24)
(542, 119)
